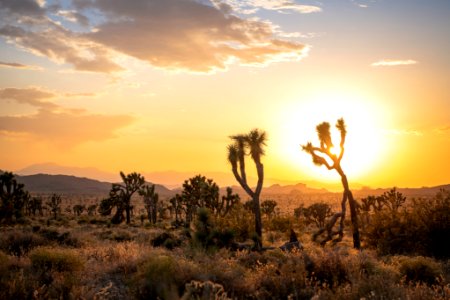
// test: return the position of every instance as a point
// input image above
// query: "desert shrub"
(280, 223)
(208, 234)
(166, 240)
(162, 277)
(45, 259)
(283, 276)
(117, 235)
(19, 243)
(238, 221)
(64, 238)
(328, 268)
(56, 271)
(423, 229)
(420, 269)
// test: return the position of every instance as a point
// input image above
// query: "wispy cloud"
(392, 63)
(443, 129)
(284, 6)
(65, 127)
(171, 34)
(15, 65)
(411, 132)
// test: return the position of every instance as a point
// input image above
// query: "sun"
(363, 146)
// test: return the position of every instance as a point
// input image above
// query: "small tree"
(120, 197)
(323, 156)
(34, 205)
(317, 213)
(54, 205)
(13, 197)
(91, 209)
(268, 207)
(254, 143)
(150, 201)
(78, 209)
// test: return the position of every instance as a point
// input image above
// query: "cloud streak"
(393, 63)
(284, 6)
(16, 65)
(56, 124)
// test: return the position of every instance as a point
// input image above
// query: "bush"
(420, 269)
(423, 229)
(279, 223)
(166, 240)
(161, 277)
(19, 243)
(329, 268)
(56, 271)
(46, 259)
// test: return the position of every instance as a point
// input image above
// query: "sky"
(159, 85)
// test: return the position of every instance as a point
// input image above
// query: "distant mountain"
(170, 179)
(408, 192)
(64, 184)
(55, 169)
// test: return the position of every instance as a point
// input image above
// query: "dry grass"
(95, 260)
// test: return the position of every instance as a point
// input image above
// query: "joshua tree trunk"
(353, 213)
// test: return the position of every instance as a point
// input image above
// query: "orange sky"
(160, 85)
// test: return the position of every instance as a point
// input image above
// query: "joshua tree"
(268, 207)
(254, 143)
(150, 201)
(324, 155)
(228, 201)
(317, 213)
(54, 205)
(13, 197)
(91, 209)
(78, 209)
(120, 197)
(34, 205)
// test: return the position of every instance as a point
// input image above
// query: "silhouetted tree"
(120, 197)
(34, 205)
(13, 197)
(393, 200)
(176, 207)
(78, 209)
(150, 201)
(268, 207)
(254, 143)
(317, 213)
(91, 209)
(54, 205)
(323, 155)
(229, 200)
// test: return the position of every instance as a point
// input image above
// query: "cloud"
(15, 65)
(252, 6)
(56, 124)
(62, 46)
(391, 63)
(73, 16)
(188, 35)
(172, 34)
(65, 128)
(410, 132)
(31, 96)
(443, 129)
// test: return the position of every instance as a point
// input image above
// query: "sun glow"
(364, 144)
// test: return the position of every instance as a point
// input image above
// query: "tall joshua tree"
(323, 156)
(253, 143)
